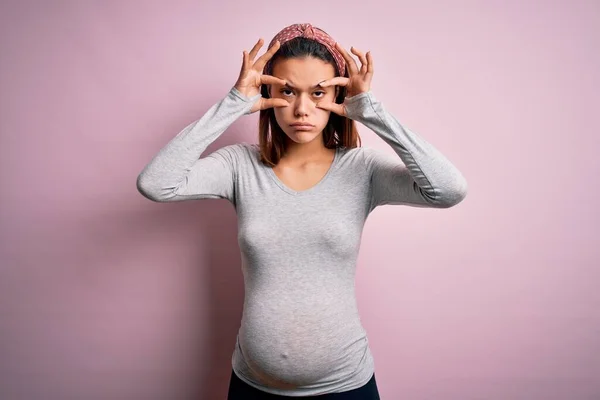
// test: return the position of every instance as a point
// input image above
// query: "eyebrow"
(315, 86)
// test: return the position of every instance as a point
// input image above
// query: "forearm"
(166, 173)
(441, 183)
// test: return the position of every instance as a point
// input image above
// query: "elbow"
(454, 194)
(146, 189)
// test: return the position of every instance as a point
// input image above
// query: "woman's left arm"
(427, 178)
(424, 178)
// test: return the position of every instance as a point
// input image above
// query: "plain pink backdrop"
(106, 295)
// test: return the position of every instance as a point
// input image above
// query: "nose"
(303, 104)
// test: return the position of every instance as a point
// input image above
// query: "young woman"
(302, 195)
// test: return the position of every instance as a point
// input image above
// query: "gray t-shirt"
(301, 333)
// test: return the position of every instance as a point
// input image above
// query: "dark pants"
(240, 390)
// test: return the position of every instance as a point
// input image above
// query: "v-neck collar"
(311, 189)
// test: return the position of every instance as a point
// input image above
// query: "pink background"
(106, 295)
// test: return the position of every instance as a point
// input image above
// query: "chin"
(302, 136)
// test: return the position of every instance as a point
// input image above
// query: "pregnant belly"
(287, 347)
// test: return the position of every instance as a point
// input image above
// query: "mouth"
(302, 125)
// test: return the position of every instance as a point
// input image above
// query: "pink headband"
(310, 32)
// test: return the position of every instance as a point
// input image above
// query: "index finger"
(271, 80)
(338, 80)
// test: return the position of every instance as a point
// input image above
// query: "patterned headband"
(310, 32)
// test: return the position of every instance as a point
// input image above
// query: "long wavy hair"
(339, 131)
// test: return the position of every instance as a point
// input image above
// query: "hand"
(358, 82)
(251, 77)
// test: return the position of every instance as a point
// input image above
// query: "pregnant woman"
(302, 196)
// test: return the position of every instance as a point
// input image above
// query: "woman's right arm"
(177, 173)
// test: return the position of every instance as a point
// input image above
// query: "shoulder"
(376, 157)
(234, 156)
(364, 156)
(236, 150)
(248, 150)
(241, 154)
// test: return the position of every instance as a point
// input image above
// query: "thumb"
(264, 103)
(272, 102)
(339, 109)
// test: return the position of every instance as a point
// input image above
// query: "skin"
(295, 98)
(303, 92)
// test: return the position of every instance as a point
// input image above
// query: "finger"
(244, 60)
(339, 109)
(370, 68)
(271, 80)
(350, 62)
(262, 60)
(363, 60)
(255, 49)
(271, 102)
(338, 80)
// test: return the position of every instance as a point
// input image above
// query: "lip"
(302, 125)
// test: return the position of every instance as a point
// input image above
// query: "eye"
(322, 92)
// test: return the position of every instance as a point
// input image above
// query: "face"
(302, 93)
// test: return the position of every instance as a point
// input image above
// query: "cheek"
(323, 116)
(281, 112)
(282, 115)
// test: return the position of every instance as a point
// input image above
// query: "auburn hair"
(339, 131)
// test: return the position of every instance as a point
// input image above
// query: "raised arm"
(422, 176)
(178, 173)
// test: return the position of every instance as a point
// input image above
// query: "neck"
(306, 152)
